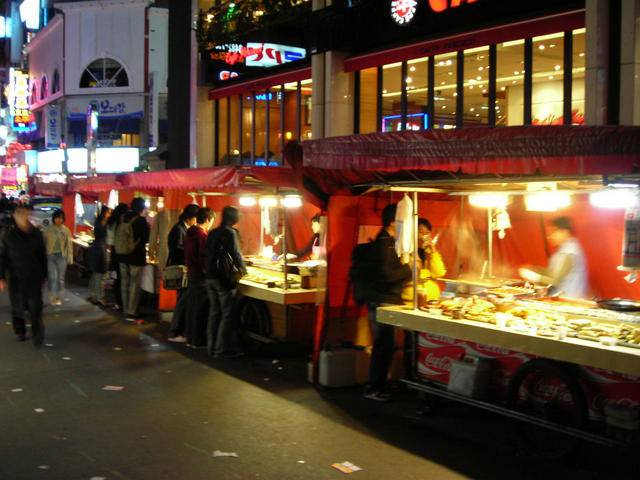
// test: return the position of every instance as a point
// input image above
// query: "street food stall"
(491, 339)
(278, 294)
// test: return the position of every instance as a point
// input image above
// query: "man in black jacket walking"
(23, 268)
(386, 288)
(131, 265)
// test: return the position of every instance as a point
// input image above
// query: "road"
(178, 406)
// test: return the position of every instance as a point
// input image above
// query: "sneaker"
(130, 318)
(178, 339)
(377, 395)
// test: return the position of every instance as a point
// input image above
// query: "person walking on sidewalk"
(196, 296)
(23, 269)
(57, 239)
(98, 256)
(175, 244)
(132, 236)
(114, 262)
(225, 267)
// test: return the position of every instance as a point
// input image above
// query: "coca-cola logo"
(491, 350)
(601, 375)
(439, 339)
(601, 400)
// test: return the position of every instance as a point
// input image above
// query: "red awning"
(549, 150)
(182, 179)
(99, 183)
(260, 84)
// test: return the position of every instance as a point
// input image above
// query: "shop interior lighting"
(615, 198)
(268, 201)
(489, 200)
(292, 201)
(247, 201)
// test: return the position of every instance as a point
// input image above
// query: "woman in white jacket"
(57, 239)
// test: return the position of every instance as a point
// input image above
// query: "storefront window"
(444, 110)
(234, 129)
(391, 97)
(275, 135)
(476, 87)
(548, 87)
(261, 128)
(305, 109)
(223, 131)
(577, 89)
(368, 97)
(417, 93)
(289, 102)
(246, 129)
(510, 83)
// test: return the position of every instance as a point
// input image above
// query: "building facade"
(109, 54)
(383, 66)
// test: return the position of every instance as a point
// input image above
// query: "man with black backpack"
(131, 238)
(225, 267)
(378, 277)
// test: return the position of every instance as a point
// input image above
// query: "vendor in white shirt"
(567, 269)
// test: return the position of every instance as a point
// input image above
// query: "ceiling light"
(551, 77)
(489, 200)
(556, 67)
(619, 198)
(552, 45)
(503, 89)
(478, 77)
(409, 79)
(540, 47)
(412, 69)
(247, 201)
(450, 73)
(547, 201)
(581, 54)
(480, 69)
(443, 83)
(444, 106)
(292, 201)
(472, 109)
(268, 201)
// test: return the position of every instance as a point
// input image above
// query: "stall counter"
(280, 296)
(619, 359)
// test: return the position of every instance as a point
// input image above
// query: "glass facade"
(253, 128)
(487, 85)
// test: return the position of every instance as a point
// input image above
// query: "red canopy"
(182, 179)
(99, 183)
(549, 150)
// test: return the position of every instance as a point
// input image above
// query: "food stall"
(490, 340)
(278, 295)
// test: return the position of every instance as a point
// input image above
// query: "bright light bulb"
(489, 200)
(614, 198)
(247, 201)
(268, 201)
(547, 201)
(292, 201)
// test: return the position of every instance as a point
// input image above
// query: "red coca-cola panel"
(601, 387)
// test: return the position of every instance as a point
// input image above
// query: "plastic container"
(343, 367)
(470, 377)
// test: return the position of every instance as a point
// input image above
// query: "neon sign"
(415, 122)
(19, 101)
(442, 5)
(226, 75)
(403, 11)
(257, 54)
(30, 14)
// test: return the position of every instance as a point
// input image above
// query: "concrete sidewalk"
(178, 406)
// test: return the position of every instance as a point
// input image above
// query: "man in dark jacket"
(196, 296)
(221, 327)
(23, 266)
(131, 265)
(175, 243)
(389, 279)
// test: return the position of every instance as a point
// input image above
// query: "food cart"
(568, 366)
(278, 297)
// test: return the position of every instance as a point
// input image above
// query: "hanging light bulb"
(489, 200)
(247, 201)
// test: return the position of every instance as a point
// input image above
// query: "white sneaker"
(178, 339)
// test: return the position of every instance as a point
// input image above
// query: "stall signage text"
(227, 75)
(403, 11)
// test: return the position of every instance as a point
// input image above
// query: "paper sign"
(346, 467)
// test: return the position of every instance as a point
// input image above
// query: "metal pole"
(415, 250)
(284, 246)
(490, 242)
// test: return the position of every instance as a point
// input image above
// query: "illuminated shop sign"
(19, 101)
(258, 54)
(403, 11)
(30, 14)
(226, 75)
(415, 121)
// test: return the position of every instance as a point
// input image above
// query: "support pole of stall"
(284, 247)
(415, 250)
(490, 242)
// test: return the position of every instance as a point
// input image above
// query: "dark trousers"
(26, 296)
(382, 353)
(222, 329)
(179, 317)
(197, 305)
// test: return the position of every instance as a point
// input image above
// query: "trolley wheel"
(255, 322)
(550, 391)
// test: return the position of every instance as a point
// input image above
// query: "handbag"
(230, 273)
(175, 277)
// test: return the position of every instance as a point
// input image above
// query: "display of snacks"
(511, 291)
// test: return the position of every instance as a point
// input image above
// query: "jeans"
(26, 296)
(196, 312)
(179, 317)
(221, 325)
(382, 353)
(130, 288)
(96, 286)
(57, 267)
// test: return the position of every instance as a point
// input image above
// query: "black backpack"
(363, 271)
